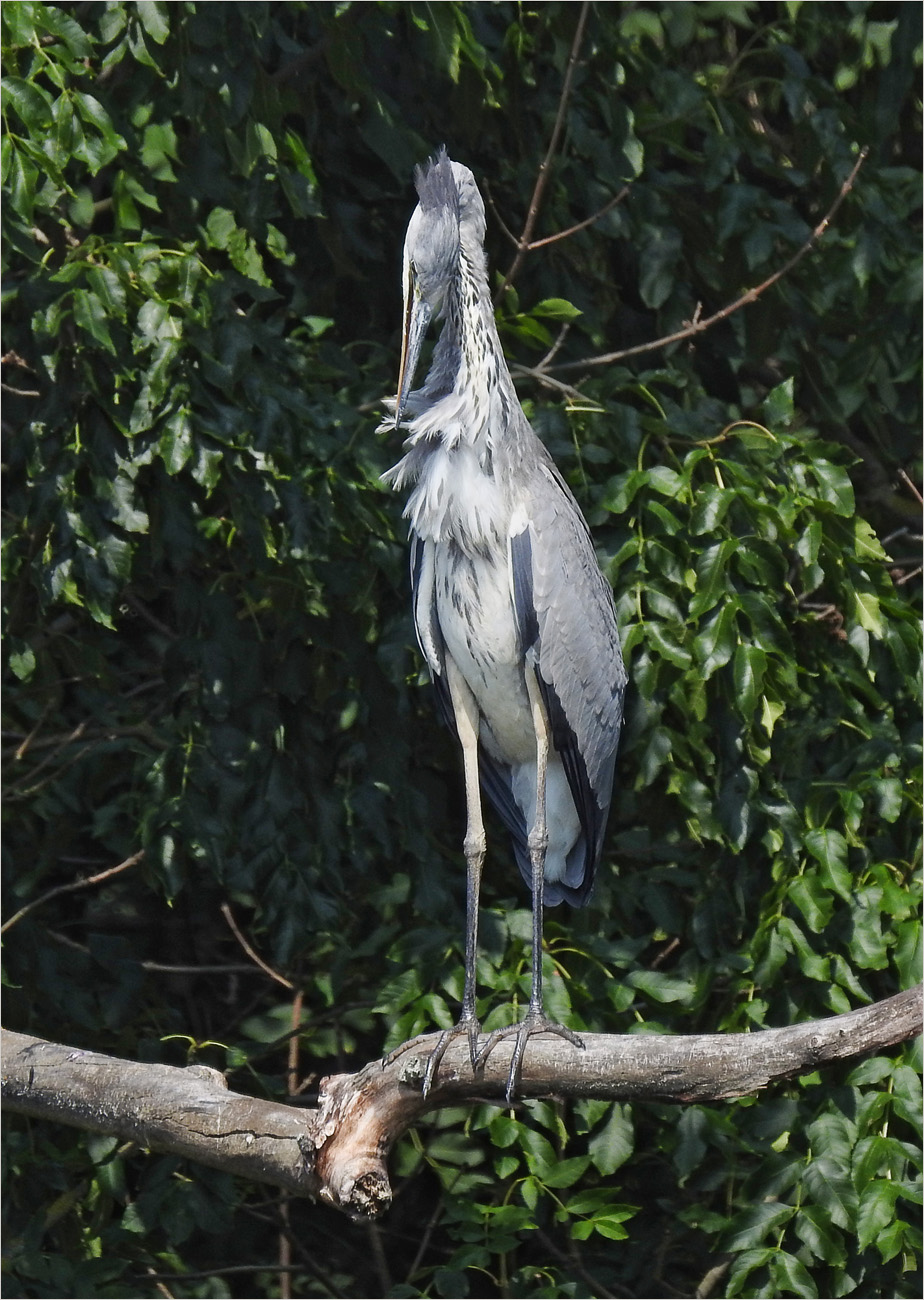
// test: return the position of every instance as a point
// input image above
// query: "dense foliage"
(210, 656)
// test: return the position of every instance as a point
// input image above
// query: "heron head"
(448, 199)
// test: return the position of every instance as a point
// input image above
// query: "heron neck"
(481, 369)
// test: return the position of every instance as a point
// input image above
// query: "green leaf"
(662, 637)
(661, 986)
(777, 409)
(827, 1184)
(22, 663)
(154, 17)
(659, 257)
(712, 579)
(790, 1276)
(715, 645)
(710, 507)
(72, 34)
(90, 315)
(31, 102)
(813, 966)
(834, 486)
(613, 1144)
(176, 441)
(748, 669)
(750, 1227)
(813, 1227)
(812, 899)
(873, 1070)
(867, 612)
(876, 1210)
(556, 309)
(747, 1262)
(565, 1173)
(830, 849)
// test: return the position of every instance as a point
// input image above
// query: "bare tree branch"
(697, 326)
(254, 956)
(580, 225)
(338, 1150)
(542, 177)
(70, 888)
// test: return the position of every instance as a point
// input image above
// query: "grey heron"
(513, 616)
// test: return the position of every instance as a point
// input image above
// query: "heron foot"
(536, 1022)
(468, 1025)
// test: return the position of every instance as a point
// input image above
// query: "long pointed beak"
(417, 315)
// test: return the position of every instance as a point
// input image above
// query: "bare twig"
(163, 968)
(542, 177)
(254, 957)
(19, 392)
(912, 487)
(59, 741)
(699, 326)
(70, 888)
(581, 225)
(62, 742)
(574, 395)
(556, 346)
(27, 740)
(572, 1261)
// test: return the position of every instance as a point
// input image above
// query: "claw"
(402, 1048)
(468, 1025)
(535, 1023)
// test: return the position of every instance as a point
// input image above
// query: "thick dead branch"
(339, 1149)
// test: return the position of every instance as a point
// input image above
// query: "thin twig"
(581, 225)
(495, 211)
(69, 739)
(554, 349)
(273, 974)
(70, 888)
(698, 326)
(574, 395)
(21, 751)
(162, 968)
(296, 1022)
(543, 175)
(58, 741)
(229, 1270)
(596, 1286)
(915, 491)
(164, 1290)
(425, 1240)
(308, 1263)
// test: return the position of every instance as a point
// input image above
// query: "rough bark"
(338, 1149)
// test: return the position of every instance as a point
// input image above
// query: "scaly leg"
(466, 711)
(536, 1021)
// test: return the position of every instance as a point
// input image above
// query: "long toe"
(468, 1026)
(534, 1023)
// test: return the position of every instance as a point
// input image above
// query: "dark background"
(209, 644)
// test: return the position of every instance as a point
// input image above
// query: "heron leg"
(536, 1021)
(466, 714)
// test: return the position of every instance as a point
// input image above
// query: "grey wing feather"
(426, 625)
(579, 657)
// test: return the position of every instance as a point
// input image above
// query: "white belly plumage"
(474, 608)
